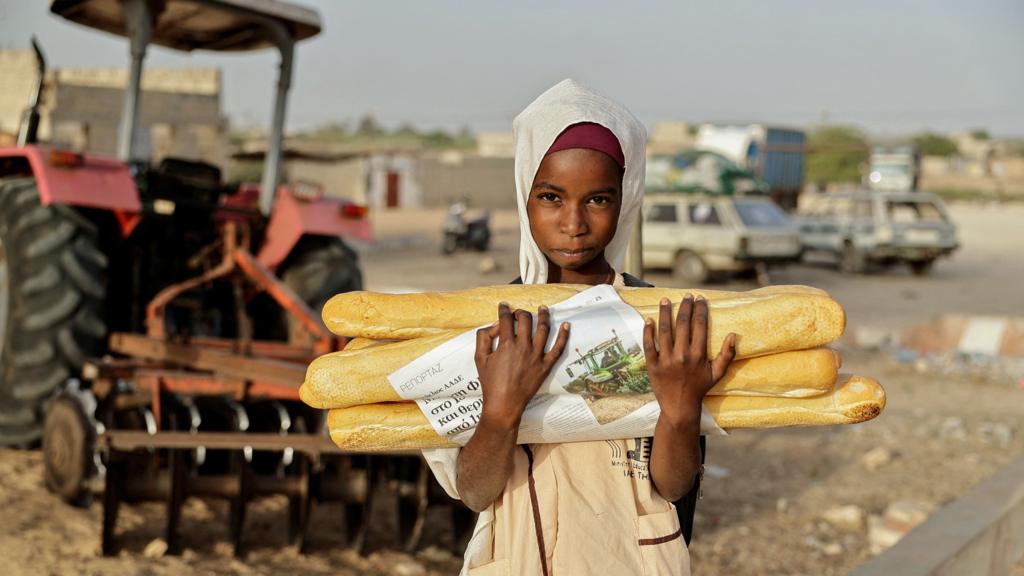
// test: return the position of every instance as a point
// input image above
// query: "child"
(583, 507)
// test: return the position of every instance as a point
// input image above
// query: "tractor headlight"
(307, 191)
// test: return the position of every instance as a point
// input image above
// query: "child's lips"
(574, 254)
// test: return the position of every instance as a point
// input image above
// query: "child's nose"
(575, 222)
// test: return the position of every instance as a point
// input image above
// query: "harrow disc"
(69, 440)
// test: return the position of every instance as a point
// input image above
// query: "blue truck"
(773, 154)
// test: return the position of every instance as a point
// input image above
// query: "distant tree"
(465, 138)
(438, 139)
(931, 144)
(368, 127)
(980, 134)
(332, 131)
(835, 154)
(406, 130)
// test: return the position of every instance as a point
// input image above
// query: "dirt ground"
(765, 491)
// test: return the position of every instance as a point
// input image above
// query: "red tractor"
(87, 242)
(156, 298)
(155, 323)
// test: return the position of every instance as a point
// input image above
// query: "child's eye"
(547, 197)
(600, 200)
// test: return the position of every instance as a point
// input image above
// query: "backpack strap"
(634, 282)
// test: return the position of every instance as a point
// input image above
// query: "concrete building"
(988, 165)
(179, 113)
(495, 145)
(387, 175)
(485, 182)
(670, 138)
(378, 176)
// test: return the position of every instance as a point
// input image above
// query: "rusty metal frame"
(234, 244)
(260, 275)
(277, 373)
(240, 368)
(157, 308)
(128, 440)
(260, 348)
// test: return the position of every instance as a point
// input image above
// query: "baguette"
(765, 323)
(360, 343)
(854, 399)
(341, 380)
(405, 316)
(401, 425)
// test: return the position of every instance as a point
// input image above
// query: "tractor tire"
(317, 270)
(52, 293)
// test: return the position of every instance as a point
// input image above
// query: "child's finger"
(559, 346)
(524, 327)
(484, 343)
(665, 326)
(682, 336)
(724, 358)
(699, 331)
(506, 331)
(540, 338)
(650, 351)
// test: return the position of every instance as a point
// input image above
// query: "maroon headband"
(591, 136)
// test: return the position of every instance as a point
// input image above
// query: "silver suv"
(863, 227)
(700, 235)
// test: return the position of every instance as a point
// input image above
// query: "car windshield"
(913, 211)
(891, 169)
(761, 214)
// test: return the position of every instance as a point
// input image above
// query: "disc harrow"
(173, 417)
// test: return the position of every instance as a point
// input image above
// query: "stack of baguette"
(783, 375)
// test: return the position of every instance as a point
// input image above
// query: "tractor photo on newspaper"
(610, 369)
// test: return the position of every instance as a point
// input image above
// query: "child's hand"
(511, 374)
(681, 372)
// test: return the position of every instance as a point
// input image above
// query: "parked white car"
(698, 236)
(866, 227)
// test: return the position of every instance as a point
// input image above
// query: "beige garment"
(597, 510)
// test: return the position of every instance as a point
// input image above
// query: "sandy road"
(765, 492)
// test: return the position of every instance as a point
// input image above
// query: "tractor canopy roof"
(221, 25)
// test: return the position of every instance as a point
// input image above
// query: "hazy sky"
(892, 67)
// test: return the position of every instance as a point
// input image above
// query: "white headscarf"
(535, 130)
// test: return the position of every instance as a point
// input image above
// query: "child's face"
(574, 206)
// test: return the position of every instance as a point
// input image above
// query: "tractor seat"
(184, 181)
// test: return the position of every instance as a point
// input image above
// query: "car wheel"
(450, 244)
(851, 260)
(921, 267)
(690, 268)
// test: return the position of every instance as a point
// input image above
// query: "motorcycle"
(466, 234)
